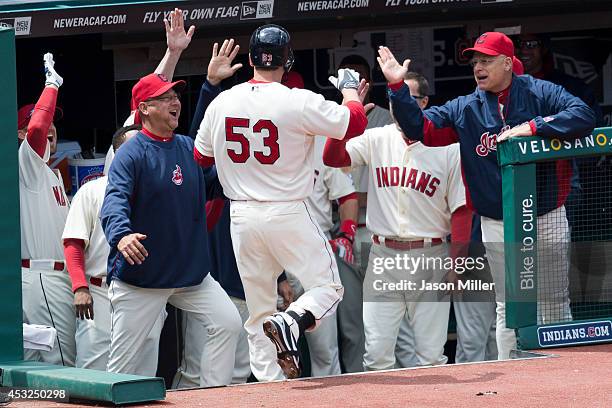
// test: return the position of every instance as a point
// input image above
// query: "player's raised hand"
(391, 69)
(220, 66)
(83, 304)
(177, 38)
(362, 91)
(51, 77)
(346, 79)
(131, 248)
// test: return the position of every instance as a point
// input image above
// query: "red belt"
(96, 281)
(57, 266)
(405, 245)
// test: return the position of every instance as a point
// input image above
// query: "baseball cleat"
(279, 332)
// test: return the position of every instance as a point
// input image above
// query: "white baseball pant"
(382, 318)
(93, 336)
(553, 237)
(135, 310)
(405, 355)
(269, 237)
(323, 342)
(47, 300)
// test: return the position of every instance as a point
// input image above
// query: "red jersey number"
(270, 140)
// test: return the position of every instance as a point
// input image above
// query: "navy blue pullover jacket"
(157, 189)
(477, 121)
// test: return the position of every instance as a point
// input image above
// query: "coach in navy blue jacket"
(503, 106)
(154, 219)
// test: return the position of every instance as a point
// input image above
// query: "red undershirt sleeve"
(74, 253)
(335, 154)
(214, 209)
(461, 229)
(41, 120)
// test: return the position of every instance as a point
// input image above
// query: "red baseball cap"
(25, 113)
(493, 43)
(293, 79)
(151, 86)
(517, 66)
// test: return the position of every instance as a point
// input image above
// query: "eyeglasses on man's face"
(419, 96)
(483, 61)
(166, 98)
(529, 44)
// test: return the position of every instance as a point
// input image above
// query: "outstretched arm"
(177, 40)
(219, 68)
(42, 117)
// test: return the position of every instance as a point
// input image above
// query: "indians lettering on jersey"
(177, 176)
(60, 198)
(488, 142)
(407, 177)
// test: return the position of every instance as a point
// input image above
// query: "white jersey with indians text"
(261, 136)
(83, 222)
(413, 189)
(43, 205)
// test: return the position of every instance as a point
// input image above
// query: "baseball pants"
(350, 316)
(269, 237)
(405, 356)
(323, 342)
(134, 311)
(475, 321)
(47, 300)
(93, 336)
(194, 338)
(382, 317)
(553, 239)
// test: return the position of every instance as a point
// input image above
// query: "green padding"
(83, 384)
(520, 247)
(11, 329)
(534, 149)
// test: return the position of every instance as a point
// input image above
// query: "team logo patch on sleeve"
(177, 176)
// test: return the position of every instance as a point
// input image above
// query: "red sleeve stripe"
(204, 161)
(396, 86)
(342, 200)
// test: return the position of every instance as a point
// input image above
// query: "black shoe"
(278, 328)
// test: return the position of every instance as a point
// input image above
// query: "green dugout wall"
(11, 344)
(518, 158)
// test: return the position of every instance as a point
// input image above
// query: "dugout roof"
(43, 18)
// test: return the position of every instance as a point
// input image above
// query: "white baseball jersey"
(413, 189)
(43, 205)
(329, 184)
(377, 117)
(260, 134)
(83, 222)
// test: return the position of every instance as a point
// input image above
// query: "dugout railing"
(535, 265)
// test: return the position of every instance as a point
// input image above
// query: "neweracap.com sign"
(576, 333)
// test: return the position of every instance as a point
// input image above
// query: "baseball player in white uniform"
(47, 298)
(260, 134)
(86, 252)
(413, 193)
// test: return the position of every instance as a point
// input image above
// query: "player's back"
(262, 139)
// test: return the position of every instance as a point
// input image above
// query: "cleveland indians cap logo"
(177, 176)
(482, 39)
(162, 77)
